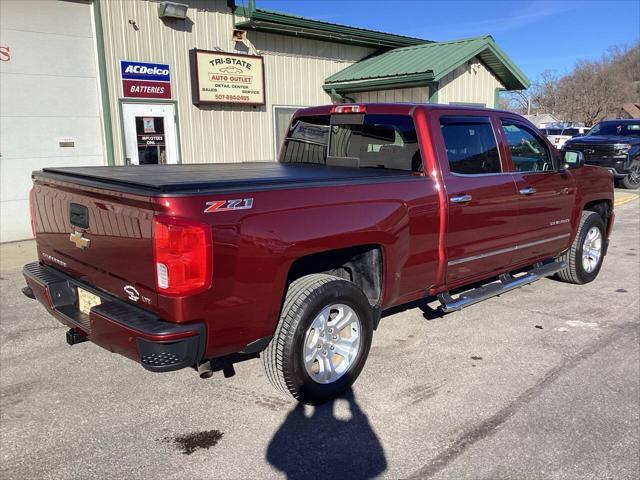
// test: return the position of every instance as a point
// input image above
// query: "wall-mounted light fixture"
(172, 10)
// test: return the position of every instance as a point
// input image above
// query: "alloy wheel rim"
(592, 249)
(332, 343)
(634, 176)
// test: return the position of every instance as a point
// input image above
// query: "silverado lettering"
(369, 207)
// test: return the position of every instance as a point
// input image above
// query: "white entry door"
(150, 133)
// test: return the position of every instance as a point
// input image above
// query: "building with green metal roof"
(466, 71)
(219, 81)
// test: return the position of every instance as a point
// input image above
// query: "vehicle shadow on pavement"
(428, 312)
(324, 446)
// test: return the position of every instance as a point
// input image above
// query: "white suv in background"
(558, 135)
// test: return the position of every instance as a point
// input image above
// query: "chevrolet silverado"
(614, 145)
(369, 207)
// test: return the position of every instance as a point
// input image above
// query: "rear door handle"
(461, 199)
(527, 191)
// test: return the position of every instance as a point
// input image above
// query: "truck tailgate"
(98, 236)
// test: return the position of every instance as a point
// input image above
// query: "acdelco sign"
(145, 80)
(144, 71)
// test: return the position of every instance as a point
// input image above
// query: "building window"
(281, 117)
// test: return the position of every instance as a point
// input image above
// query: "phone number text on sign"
(233, 98)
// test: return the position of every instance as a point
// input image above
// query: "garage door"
(50, 111)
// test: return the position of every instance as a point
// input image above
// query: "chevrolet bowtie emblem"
(79, 241)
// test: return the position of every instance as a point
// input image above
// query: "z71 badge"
(225, 205)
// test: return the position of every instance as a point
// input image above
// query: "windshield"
(357, 141)
(615, 128)
(552, 131)
(570, 132)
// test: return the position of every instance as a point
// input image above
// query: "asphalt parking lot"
(542, 382)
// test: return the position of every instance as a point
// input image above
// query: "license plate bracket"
(86, 300)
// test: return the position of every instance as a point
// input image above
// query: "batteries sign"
(145, 80)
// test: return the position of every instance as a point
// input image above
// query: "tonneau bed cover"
(195, 178)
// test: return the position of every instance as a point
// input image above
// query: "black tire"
(283, 358)
(632, 181)
(575, 271)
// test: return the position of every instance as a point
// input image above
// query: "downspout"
(433, 92)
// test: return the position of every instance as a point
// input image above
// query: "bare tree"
(516, 101)
(592, 91)
(545, 93)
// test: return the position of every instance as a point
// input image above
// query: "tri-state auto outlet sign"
(145, 80)
(228, 78)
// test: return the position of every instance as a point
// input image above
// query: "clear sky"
(537, 34)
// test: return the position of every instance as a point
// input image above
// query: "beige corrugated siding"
(414, 94)
(295, 69)
(469, 83)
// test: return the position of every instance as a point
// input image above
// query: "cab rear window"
(357, 141)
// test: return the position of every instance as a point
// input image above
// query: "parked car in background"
(614, 145)
(371, 206)
(558, 136)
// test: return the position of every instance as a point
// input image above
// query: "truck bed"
(199, 178)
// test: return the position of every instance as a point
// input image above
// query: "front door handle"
(527, 191)
(461, 199)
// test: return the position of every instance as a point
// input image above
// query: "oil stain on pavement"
(191, 442)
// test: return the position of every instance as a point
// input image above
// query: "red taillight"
(32, 212)
(183, 256)
(349, 109)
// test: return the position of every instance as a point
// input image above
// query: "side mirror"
(572, 159)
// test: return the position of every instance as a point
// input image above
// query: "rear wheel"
(584, 258)
(322, 339)
(632, 181)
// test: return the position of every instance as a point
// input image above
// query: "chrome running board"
(505, 283)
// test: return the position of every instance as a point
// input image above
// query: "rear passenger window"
(470, 144)
(528, 151)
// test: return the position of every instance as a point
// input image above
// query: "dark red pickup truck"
(370, 206)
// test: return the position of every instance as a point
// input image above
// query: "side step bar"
(506, 283)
